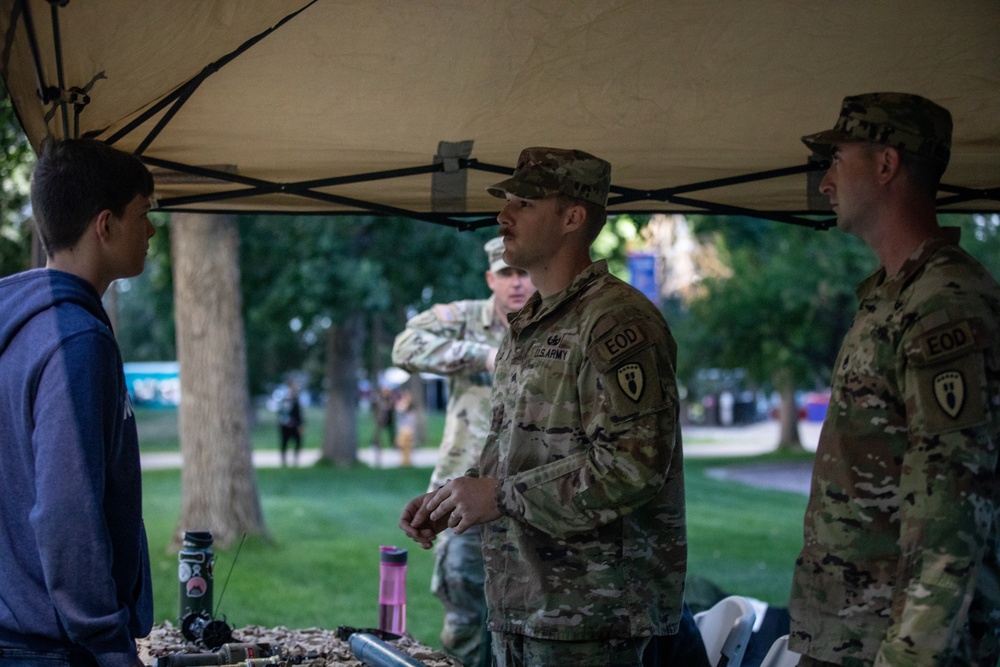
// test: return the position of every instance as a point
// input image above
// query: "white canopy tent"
(412, 108)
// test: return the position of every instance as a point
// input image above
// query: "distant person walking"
(384, 412)
(406, 426)
(290, 422)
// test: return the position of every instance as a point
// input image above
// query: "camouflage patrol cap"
(494, 251)
(546, 172)
(908, 122)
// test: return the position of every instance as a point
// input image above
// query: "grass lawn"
(158, 429)
(321, 568)
(327, 524)
(743, 538)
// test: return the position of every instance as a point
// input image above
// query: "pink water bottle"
(392, 590)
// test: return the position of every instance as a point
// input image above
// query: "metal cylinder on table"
(195, 564)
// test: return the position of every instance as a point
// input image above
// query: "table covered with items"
(256, 646)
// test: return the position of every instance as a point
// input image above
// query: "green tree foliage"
(980, 236)
(303, 274)
(613, 243)
(783, 311)
(16, 161)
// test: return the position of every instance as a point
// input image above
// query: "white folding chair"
(779, 655)
(725, 628)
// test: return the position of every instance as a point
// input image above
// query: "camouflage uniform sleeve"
(628, 408)
(433, 342)
(948, 498)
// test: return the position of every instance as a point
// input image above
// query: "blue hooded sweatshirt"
(74, 563)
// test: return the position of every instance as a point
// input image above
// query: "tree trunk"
(789, 440)
(340, 421)
(218, 482)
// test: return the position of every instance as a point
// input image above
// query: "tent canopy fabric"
(413, 108)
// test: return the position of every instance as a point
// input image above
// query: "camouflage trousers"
(458, 580)
(510, 650)
(806, 661)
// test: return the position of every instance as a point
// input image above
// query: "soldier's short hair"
(597, 216)
(925, 172)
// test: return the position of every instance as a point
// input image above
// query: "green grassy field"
(327, 524)
(158, 429)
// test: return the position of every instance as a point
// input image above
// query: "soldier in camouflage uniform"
(460, 340)
(581, 480)
(901, 563)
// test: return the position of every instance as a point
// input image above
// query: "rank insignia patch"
(630, 379)
(949, 390)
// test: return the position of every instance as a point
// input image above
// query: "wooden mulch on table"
(309, 647)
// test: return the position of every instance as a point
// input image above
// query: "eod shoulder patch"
(622, 341)
(948, 341)
(949, 373)
(625, 357)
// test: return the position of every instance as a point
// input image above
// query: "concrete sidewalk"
(699, 442)
(271, 458)
(759, 438)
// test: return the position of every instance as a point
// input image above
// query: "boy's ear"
(102, 225)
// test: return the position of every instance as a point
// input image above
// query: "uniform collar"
(914, 263)
(537, 308)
